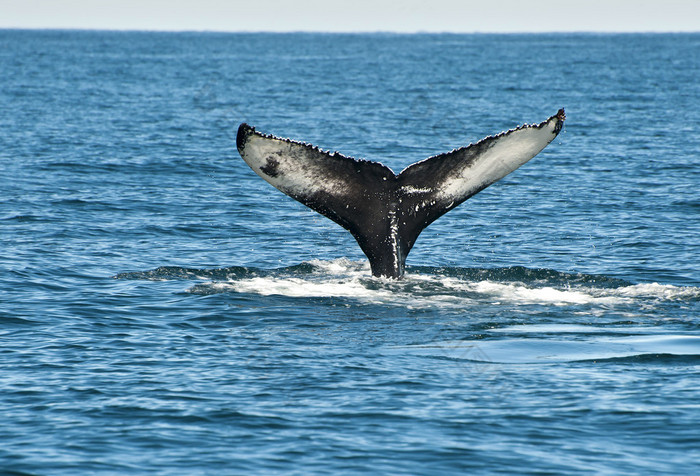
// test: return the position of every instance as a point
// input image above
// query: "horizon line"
(349, 32)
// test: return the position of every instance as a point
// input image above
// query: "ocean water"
(163, 310)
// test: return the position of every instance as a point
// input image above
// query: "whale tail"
(386, 212)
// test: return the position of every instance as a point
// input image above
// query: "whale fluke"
(386, 212)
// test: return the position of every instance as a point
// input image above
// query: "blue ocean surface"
(163, 310)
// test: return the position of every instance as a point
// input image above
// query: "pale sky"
(356, 15)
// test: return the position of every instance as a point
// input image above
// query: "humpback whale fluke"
(386, 212)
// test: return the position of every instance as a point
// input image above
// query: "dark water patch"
(79, 168)
(163, 273)
(7, 320)
(662, 360)
(219, 274)
(690, 205)
(25, 218)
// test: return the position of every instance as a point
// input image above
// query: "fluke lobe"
(386, 212)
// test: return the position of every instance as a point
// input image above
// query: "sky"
(356, 15)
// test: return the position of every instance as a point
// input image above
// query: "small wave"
(565, 329)
(660, 359)
(537, 350)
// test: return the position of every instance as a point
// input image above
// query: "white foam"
(352, 280)
(664, 292)
(352, 288)
(546, 295)
(341, 267)
(297, 287)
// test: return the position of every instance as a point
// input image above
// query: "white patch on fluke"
(508, 152)
(289, 172)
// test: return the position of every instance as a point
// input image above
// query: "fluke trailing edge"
(386, 212)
